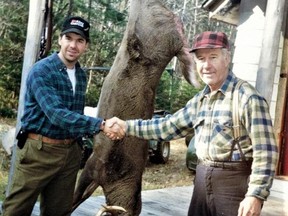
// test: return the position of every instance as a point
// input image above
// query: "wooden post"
(32, 47)
(281, 105)
(270, 48)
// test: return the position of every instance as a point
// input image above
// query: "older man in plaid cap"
(233, 177)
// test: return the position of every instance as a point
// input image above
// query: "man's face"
(72, 47)
(212, 66)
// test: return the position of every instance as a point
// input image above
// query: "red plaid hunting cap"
(210, 40)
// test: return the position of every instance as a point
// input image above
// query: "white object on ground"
(8, 140)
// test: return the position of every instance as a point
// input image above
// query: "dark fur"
(153, 37)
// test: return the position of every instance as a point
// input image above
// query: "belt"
(232, 165)
(50, 140)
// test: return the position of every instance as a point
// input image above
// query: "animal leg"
(86, 185)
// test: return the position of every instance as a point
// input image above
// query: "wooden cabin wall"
(248, 45)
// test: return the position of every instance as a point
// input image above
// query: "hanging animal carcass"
(154, 35)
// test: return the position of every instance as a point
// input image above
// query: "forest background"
(108, 19)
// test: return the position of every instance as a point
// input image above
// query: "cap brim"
(75, 30)
(206, 47)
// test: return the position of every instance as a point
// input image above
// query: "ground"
(5, 125)
(173, 173)
(156, 176)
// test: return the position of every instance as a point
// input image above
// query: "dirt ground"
(172, 174)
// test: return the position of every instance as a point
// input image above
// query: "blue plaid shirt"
(51, 108)
(209, 114)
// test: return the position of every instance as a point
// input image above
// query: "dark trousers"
(218, 191)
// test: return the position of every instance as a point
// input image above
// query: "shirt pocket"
(222, 132)
(222, 125)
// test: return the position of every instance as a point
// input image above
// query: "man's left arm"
(265, 151)
(265, 154)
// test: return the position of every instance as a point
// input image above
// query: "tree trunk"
(31, 54)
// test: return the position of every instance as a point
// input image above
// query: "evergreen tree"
(108, 21)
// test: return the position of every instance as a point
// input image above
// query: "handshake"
(114, 128)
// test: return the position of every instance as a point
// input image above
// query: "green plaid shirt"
(51, 108)
(210, 116)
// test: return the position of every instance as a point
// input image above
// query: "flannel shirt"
(51, 108)
(209, 114)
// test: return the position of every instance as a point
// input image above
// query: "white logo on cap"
(77, 22)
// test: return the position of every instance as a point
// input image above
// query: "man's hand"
(250, 206)
(115, 128)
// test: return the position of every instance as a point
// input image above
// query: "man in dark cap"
(48, 156)
(76, 25)
(233, 177)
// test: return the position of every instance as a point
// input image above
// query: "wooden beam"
(270, 48)
(281, 109)
(224, 10)
(32, 47)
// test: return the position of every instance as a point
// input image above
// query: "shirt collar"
(59, 64)
(226, 88)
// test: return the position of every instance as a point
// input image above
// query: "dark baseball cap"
(210, 40)
(76, 25)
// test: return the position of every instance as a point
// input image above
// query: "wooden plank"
(168, 202)
(281, 109)
(175, 201)
(270, 48)
(275, 206)
(90, 207)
